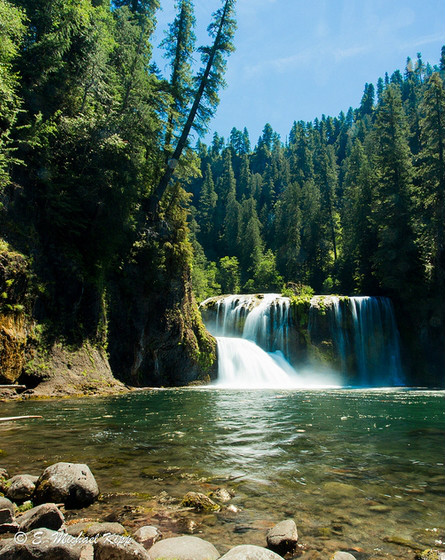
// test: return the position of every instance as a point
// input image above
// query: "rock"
(200, 502)
(6, 510)
(250, 552)
(283, 537)
(118, 547)
(147, 536)
(70, 483)
(380, 508)
(339, 490)
(3, 476)
(46, 515)
(431, 554)
(232, 509)
(342, 556)
(91, 529)
(183, 548)
(41, 544)
(221, 494)
(12, 527)
(20, 487)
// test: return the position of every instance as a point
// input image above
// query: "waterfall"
(252, 337)
(376, 341)
(356, 336)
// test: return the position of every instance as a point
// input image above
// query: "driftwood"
(13, 418)
(12, 386)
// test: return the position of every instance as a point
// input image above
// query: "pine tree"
(179, 45)
(431, 172)
(396, 259)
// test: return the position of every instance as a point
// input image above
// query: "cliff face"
(153, 336)
(157, 337)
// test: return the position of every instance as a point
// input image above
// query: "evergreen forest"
(115, 222)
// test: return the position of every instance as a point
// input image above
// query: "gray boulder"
(342, 556)
(250, 552)
(21, 487)
(46, 515)
(283, 538)
(70, 483)
(40, 544)
(118, 547)
(147, 536)
(183, 548)
(6, 510)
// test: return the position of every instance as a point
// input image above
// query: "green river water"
(357, 469)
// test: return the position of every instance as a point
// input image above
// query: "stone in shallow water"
(250, 552)
(431, 554)
(221, 494)
(283, 537)
(183, 548)
(92, 529)
(21, 487)
(342, 556)
(46, 515)
(339, 490)
(147, 536)
(199, 501)
(70, 483)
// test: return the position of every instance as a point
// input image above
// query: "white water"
(253, 342)
(252, 337)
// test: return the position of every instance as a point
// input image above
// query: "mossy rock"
(431, 554)
(199, 502)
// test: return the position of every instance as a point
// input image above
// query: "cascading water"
(252, 337)
(376, 340)
(255, 332)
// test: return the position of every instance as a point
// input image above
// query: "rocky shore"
(38, 519)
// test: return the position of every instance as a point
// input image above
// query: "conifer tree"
(396, 259)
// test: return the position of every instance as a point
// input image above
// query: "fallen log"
(12, 386)
(13, 418)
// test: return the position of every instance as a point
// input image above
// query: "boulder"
(183, 548)
(118, 547)
(6, 510)
(21, 487)
(199, 501)
(342, 556)
(46, 515)
(70, 483)
(250, 552)
(147, 536)
(40, 544)
(283, 538)
(91, 529)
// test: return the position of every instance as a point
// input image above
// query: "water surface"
(354, 468)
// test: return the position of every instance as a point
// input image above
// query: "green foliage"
(229, 275)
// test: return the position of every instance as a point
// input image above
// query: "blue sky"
(298, 59)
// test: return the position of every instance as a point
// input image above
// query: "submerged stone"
(250, 552)
(183, 548)
(283, 538)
